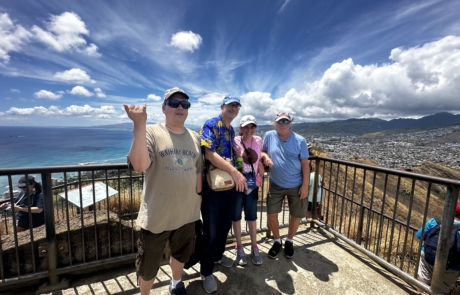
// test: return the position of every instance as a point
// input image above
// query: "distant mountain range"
(351, 126)
(364, 126)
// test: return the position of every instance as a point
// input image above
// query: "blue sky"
(74, 63)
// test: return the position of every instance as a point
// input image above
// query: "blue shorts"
(248, 202)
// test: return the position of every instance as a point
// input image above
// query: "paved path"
(321, 265)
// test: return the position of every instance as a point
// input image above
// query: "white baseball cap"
(248, 119)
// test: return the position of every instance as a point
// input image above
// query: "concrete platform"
(321, 265)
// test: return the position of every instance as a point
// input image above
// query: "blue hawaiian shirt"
(217, 137)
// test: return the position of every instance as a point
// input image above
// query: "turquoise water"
(54, 146)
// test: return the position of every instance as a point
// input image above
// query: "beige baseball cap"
(174, 90)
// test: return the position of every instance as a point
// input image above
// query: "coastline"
(60, 146)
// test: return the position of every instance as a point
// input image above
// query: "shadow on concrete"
(367, 261)
(306, 273)
(274, 276)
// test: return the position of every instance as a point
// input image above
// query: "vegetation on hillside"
(389, 132)
(382, 211)
(355, 126)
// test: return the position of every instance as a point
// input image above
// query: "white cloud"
(15, 90)
(45, 94)
(91, 50)
(12, 37)
(286, 2)
(419, 81)
(74, 75)
(153, 97)
(73, 110)
(214, 98)
(26, 111)
(87, 110)
(81, 91)
(99, 93)
(186, 41)
(64, 34)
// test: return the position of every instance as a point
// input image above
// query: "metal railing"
(75, 237)
(380, 210)
(375, 209)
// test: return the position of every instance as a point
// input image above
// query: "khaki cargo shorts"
(297, 207)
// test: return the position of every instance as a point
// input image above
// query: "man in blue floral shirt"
(217, 142)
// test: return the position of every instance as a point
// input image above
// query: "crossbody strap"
(232, 155)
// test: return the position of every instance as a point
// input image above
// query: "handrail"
(60, 169)
(408, 174)
(444, 238)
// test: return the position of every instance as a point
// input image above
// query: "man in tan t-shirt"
(170, 154)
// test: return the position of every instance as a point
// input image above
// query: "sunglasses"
(234, 105)
(175, 104)
(284, 121)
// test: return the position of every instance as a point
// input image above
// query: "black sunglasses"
(175, 104)
(284, 121)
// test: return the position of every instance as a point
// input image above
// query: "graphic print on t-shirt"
(179, 157)
(179, 161)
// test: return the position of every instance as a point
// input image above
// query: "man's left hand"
(303, 191)
(240, 181)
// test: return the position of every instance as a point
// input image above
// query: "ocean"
(57, 146)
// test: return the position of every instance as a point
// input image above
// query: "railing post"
(442, 250)
(360, 226)
(268, 232)
(314, 214)
(49, 227)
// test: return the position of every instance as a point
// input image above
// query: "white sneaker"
(241, 257)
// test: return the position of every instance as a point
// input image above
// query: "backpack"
(431, 243)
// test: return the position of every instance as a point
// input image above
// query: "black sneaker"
(274, 250)
(288, 249)
(179, 290)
